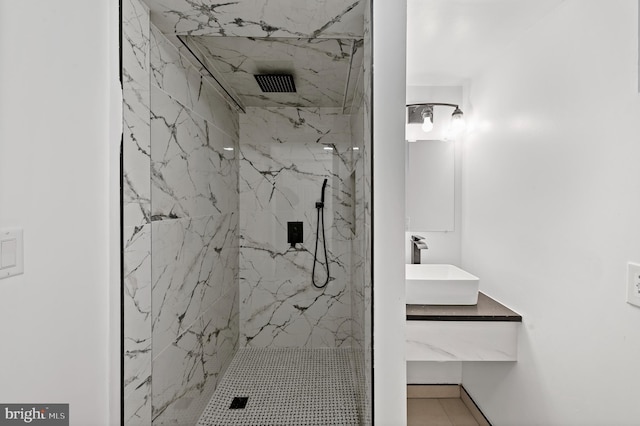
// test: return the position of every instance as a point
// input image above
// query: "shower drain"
(239, 402)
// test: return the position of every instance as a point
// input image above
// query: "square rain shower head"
(280, 83)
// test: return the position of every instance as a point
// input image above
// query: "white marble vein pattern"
(282, 166)
(259, 18)
(356, 79)
(461, 341)
(361, 243)
(137, 154)
(186, 373)
(359, 272)
(192, 174)
(194, 264)
(313, 127)
(137, 406)
(135, 43)
(366, 152)
(357, 242)
(137, 314)
(195, 249)
(322, 69)
(137, 231)
(176, 74)
(135, 85)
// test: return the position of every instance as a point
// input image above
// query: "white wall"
(389, 30)
(550, 216)
(59, 136)
(434, 372)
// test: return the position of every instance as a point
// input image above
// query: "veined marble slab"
(282, 166)
(137, 333)
(193, 175)
(461, 341)
(194, 264)
(259, 18)
(137, 214)
(186, 373)
(135, 86)
(135, 43)
(180, 74)
(137, 154)
(195, 249)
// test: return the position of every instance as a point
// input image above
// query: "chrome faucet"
(418, 244)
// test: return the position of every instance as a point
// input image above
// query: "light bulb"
(457, 122)
(427, 124)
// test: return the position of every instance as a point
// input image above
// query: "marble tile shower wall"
(282, 166)
(357, 241)
(365, 186)
(180, 229)
(194, 228)
(137, 213)
(358, 257)
(361, 243)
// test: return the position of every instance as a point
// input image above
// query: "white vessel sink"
(440, 284)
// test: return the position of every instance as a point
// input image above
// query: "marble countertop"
(487, 309)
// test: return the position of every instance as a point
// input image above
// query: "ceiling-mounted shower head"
(279, 83)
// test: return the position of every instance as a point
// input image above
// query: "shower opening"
(223, 321)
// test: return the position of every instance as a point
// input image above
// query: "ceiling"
(260, 18)
(319, 42)
(448, 41)
(325, 70)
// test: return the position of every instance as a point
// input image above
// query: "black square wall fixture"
(239, 402)
(294, 233)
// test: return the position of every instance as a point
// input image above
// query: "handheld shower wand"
(320, 204)
(320, 210)
(324, 185)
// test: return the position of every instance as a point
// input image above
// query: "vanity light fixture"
(423, 113)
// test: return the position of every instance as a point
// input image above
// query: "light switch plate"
(11, 253)
(633, 284)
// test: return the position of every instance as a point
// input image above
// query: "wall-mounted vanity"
(487, 331)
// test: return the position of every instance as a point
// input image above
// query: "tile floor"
(296, 387)
(442, 405)
(438, 412)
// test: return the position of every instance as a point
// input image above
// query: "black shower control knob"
(294, 233)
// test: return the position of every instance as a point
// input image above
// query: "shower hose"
(320, 210)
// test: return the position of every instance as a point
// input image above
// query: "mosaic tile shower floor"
(286, 387)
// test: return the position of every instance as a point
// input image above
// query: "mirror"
(430, 185)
